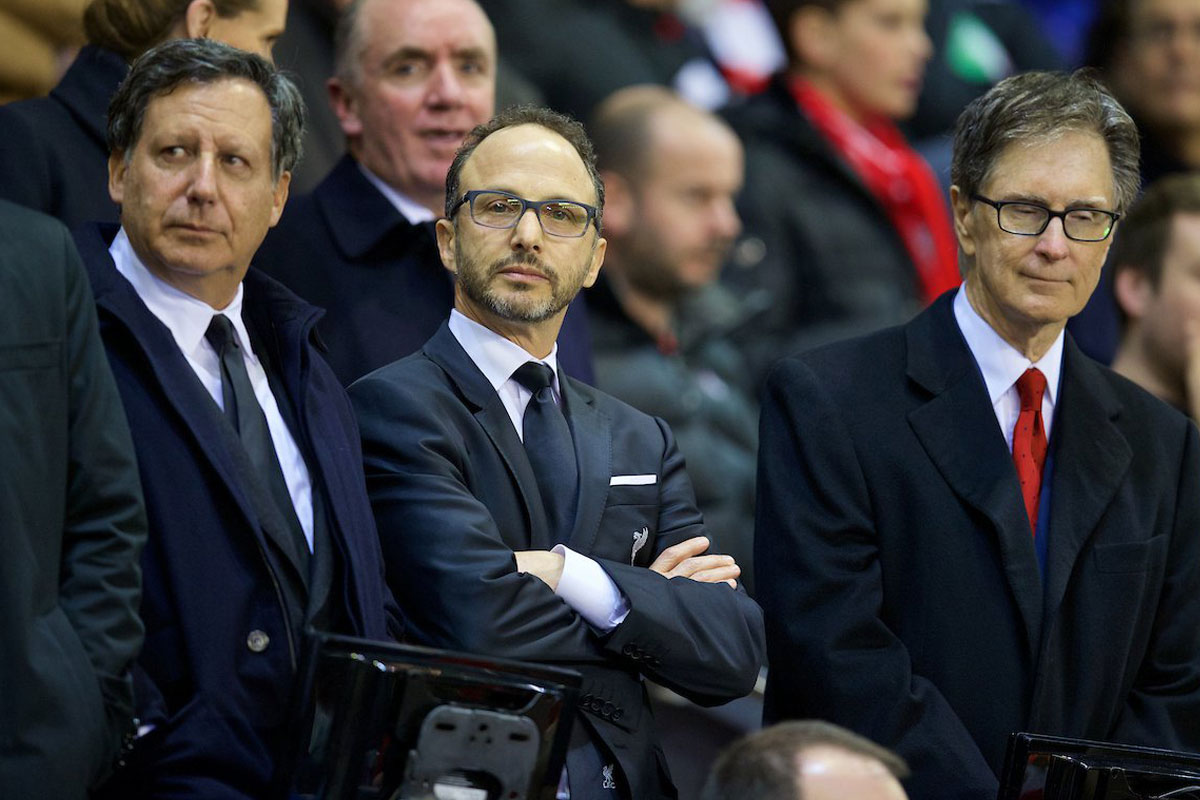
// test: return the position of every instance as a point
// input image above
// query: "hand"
(543, 564)
(685, 560)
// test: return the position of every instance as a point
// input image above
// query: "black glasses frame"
(468, 199)
(1062, 215)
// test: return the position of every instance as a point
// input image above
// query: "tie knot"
(534, 376)
(1031, 386)
(220, 334)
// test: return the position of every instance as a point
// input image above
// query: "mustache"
(524, 260)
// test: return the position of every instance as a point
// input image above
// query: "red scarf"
(898, 178)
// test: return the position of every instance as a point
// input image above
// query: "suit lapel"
(445, 351)
(591, 431)
(1091, 459)
(958, 430)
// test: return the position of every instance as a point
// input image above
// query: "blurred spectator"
(411, 78)
(806, 760)
(35, 35)
(1152, 265)
(853, 232)
(54, 157)
(670, 175)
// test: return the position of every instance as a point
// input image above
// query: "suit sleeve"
(105, 522)
(447, 562)
(1163, 707)
(818, 578)
(702, 640)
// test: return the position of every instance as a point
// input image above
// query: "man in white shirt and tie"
(523, 514)
(246, 446)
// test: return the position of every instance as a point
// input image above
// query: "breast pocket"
(630, 525)
(33, 398)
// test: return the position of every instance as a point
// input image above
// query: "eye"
(1084, 215)
(173, 152)
(1022, 210)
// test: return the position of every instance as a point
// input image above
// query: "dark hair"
(564, 126)
(131, 27)
(1141, 240)
(172, 64)
(764, 765)
(1109, 31)
(1039, 106)
(781, 14)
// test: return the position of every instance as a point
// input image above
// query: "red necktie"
(1029, 441)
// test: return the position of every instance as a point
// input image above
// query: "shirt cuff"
(589, 591)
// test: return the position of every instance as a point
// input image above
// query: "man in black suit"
(412, 78)
(524, 514)
(966, 527)
(246, 442)
(73, 524)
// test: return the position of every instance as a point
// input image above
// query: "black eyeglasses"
(1030, 219)
(492, 208)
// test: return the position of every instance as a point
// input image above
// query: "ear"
(116, 177)
(811, 34)
(279, 199)
(1133, 291)
(619, 203)
(960, 205)
(345, 106)
(447, 244)
(597, 259)
(198, 18)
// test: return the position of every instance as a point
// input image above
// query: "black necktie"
(246, 415)
(550, 449)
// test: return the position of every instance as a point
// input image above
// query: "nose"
(445, 86)
(527, 233)
(202, 186)
(1053, 243)
(726, 221)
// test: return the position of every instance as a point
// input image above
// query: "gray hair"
(565, 126)
(163, 69)
(1039, 106)
(348, 43)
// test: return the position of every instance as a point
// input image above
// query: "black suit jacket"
(379, 278)
(222, 643)
(72, 524)
(454, 497)
(54, 157)
(899, 579)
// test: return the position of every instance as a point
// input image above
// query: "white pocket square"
(633, 480)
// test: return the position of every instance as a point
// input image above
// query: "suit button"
(257, 641)
(597, 704)
(628, 650)
(617, 714)
(606, 710)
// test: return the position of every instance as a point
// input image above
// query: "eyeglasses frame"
(1061, 215)
(468, 199)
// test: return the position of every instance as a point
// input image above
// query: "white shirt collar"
(1000, 362)
(496, 357)
(410, 209)
(186, 317)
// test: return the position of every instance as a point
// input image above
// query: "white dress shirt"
(1001, 365)
(187, 319)
(584, 585)
(410, 209)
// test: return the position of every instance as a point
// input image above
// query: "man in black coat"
(248, 450)
(73, 524)
(412, 77)
(546, 521)
(966, 527)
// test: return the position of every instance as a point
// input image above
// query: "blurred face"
(683, 220)
(521, 275)
(829, 773)
(427, 76)
(870, 55)
(197, 193)
(255, 30)
(1158, 68)
(1027, 287)
(1173, 309)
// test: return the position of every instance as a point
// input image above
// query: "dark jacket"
(221, 643)
(454, 496)
(900, 582)
(72, 520)
(54, 157)
(378, 277)
(832, 265)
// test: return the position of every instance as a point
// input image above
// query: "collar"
(496, 357)
(410, 209)
(1000, 362)
(184, 316)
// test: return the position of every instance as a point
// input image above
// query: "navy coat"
(216, 690)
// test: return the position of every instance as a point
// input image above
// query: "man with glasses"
(966, 527)
(525, 515)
